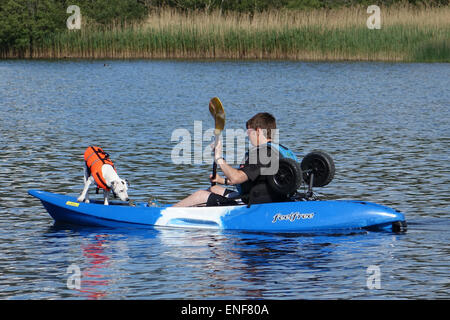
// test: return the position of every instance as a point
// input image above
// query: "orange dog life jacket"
(95, 158)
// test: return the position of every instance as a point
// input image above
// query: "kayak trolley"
(317, 169)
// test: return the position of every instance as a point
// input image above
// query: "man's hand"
(218, 179)
(217, 147)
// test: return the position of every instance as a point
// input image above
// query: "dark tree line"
(261, 5)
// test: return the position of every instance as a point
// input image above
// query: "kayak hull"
(300, 216)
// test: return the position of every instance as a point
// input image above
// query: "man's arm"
(234, 176)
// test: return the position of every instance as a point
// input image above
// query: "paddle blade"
(218, 113)
(212, 108)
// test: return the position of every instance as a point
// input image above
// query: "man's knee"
(202, 194)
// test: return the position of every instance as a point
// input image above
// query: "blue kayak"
(298, 216)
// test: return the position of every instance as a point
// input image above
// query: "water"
(386, 126)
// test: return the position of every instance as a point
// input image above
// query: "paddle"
(218, 113)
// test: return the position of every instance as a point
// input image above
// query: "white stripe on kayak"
(196, 217)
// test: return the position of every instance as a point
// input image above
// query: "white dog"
(99, 169)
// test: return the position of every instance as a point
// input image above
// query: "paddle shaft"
(214, 171)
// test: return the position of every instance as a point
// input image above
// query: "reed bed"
(407, 34)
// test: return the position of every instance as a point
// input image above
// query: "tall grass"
(407, 34)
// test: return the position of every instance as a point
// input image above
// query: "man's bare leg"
(200, 197)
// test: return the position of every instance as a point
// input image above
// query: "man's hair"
(264, 121)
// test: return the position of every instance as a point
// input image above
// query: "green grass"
(433, 51)
(410, 42)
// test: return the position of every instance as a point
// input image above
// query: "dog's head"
(120, 189)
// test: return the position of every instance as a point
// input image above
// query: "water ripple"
(386, 126)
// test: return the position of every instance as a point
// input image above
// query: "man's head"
(261, 127)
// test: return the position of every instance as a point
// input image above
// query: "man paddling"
(250, 177)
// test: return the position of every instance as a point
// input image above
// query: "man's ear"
(263, 131)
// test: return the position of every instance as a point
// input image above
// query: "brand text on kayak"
(292, 216)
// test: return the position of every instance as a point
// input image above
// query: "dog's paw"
(81, 199)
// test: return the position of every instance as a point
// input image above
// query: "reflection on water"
(161, 263)
(98, 261)
(386, 126)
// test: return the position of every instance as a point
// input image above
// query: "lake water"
(386, 126)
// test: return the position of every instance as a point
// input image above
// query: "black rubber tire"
(321, 164)
(288, 178)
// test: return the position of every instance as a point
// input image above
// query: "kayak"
(296, 216)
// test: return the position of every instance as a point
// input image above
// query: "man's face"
(253, 136)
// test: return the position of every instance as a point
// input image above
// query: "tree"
(108, 11)
(26, 22)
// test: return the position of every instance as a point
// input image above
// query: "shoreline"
(208, 60)
(406, 35)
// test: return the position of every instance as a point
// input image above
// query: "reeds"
(407, 34)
